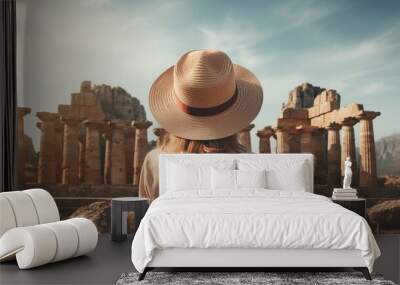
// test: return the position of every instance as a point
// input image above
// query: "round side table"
(119, 215)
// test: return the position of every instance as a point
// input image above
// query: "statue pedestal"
(345, 194)
(344, 190)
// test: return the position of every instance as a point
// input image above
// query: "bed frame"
(245, 258)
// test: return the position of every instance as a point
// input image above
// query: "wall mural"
(92, 149)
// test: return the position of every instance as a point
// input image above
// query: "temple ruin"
(71, 140)
(93, 149)
(312, 121)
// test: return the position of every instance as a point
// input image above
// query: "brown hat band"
(202, 112)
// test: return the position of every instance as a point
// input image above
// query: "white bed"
(248, 227)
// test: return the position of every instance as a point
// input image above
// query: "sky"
(350, 46)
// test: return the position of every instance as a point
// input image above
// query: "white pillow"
(181, 177)
(185, 174)
(292, 179)
(235, 179)
(223, 179)
(251, 179)
(289, 174)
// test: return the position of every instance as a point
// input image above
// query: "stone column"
(368, 175)
(47, 154)
(92, 152)
(141, 148)
(349, 146)
(161, 134)
(21, 147)
(59, 141)
(320, 151)
(333, 154)
(306, 139)
(82, 150)
(71, 152)
(282, 140)
(107, 156)
(244, 137)
(129, 152)
(307, 144)
(118, 163)
(265, 142)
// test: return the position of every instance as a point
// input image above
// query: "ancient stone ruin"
(94, 148)
(311, 122)
(71, 141)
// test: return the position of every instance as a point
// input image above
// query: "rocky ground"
(391, 181)
(98, 213)
(385, 216)
(384, 205)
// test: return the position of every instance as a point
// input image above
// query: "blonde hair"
(173, 144)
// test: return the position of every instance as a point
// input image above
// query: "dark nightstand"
(358, 205)
(119, 215)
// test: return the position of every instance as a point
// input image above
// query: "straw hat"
(205, 96)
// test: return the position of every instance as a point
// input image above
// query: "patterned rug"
(233, 278)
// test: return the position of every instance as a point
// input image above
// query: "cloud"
(239, 39)
(130, 43)
(96, 3)
(373, 88)
(298, 14)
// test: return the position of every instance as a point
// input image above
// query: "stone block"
(291, 123)
(88, 99)
(291, 113)
(76, 99)
(63, 109)
(86, 86)
(352, 110)
(313, 111)
(83, 99)
(330, 118)
(327, 107)
(84, 111)
(94, 112)
(317, 121)
(317, 101)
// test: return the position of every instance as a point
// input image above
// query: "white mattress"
(250, 219)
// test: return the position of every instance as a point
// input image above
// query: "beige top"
(148, 183)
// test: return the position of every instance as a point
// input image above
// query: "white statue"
(347, 174)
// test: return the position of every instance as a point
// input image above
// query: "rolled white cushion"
(33, 246)
(67, 240)
(45, 205)
(40, 244)
(23, 208)
(7, 218)
(87, 235)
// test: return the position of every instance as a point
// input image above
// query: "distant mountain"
(388, 155)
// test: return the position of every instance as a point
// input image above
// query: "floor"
(103, 266)
(110, 260)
